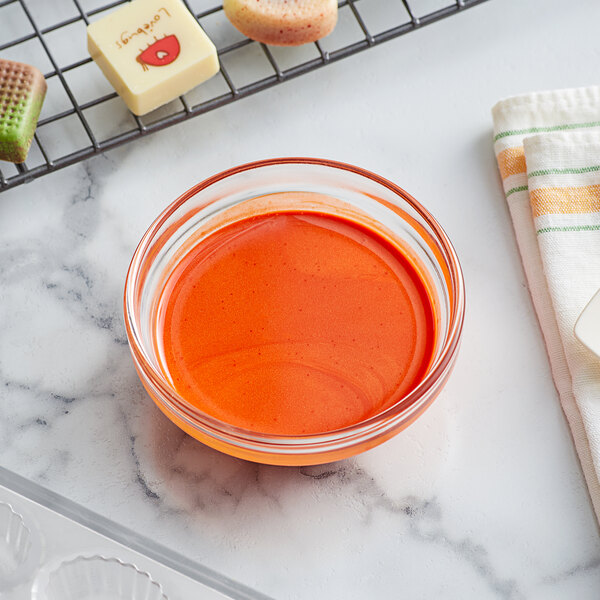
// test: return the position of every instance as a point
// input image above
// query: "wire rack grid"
(83, 116)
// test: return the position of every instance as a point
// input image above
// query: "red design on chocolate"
(162, 52)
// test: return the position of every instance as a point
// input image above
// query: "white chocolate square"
(152, 51)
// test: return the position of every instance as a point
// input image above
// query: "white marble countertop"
(482, 498)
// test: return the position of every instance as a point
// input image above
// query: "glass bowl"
(312, 185)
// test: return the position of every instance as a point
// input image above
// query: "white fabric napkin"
(548, 150)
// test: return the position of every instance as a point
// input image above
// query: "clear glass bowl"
(337, 189)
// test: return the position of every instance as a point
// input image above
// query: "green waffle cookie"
(22, 92)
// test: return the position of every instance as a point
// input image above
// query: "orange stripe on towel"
(565, 201)
(511, 162)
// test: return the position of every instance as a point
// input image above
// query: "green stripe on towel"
(566, 127)
(521, 188)
(569, 228)
(566, 171)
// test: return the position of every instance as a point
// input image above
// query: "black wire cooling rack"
(83, 116)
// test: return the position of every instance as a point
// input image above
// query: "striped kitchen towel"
(548, 150)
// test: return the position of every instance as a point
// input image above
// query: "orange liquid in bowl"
(295, 323)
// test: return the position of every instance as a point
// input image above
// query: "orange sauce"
(295, 323)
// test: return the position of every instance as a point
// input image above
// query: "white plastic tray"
(62, 530)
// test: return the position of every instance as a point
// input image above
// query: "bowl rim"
(316, 442)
